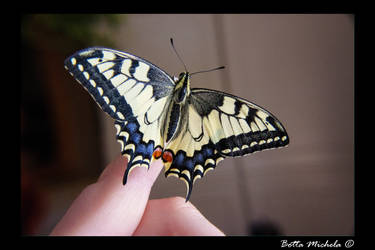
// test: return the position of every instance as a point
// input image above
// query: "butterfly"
(155, 116)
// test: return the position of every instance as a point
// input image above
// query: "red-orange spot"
(167, 156)
(157, 153)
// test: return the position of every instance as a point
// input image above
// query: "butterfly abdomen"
(172, 120)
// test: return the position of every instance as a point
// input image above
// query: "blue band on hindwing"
(138, 146)
(182, 162)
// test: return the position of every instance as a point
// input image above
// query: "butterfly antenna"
(203, 71)
(175, 51)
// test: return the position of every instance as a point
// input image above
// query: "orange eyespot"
(157, 153)
(167, 156)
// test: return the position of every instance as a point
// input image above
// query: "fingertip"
(115, 169)
(116, 208)
(175, 216)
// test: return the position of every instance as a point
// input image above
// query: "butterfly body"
(191, 130)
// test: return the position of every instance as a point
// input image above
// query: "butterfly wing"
(129, 89)
(217, 125)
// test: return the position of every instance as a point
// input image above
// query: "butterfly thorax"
(179, 97)
(182, 89)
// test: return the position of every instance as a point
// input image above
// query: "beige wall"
(299, 67)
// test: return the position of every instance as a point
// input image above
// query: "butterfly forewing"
(132, 91)
(235, 125)
(122, 84)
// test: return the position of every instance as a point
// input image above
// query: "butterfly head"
(182, 88)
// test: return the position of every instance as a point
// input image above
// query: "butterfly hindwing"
(134, 146)
(191, 153)
(132, 91)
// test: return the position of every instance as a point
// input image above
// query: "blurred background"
(298, 66)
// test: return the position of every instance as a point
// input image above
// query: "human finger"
(174, 216)
(107, 207)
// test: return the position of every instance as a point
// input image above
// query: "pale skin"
(107, 208)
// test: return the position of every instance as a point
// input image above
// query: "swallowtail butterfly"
(191, 130)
